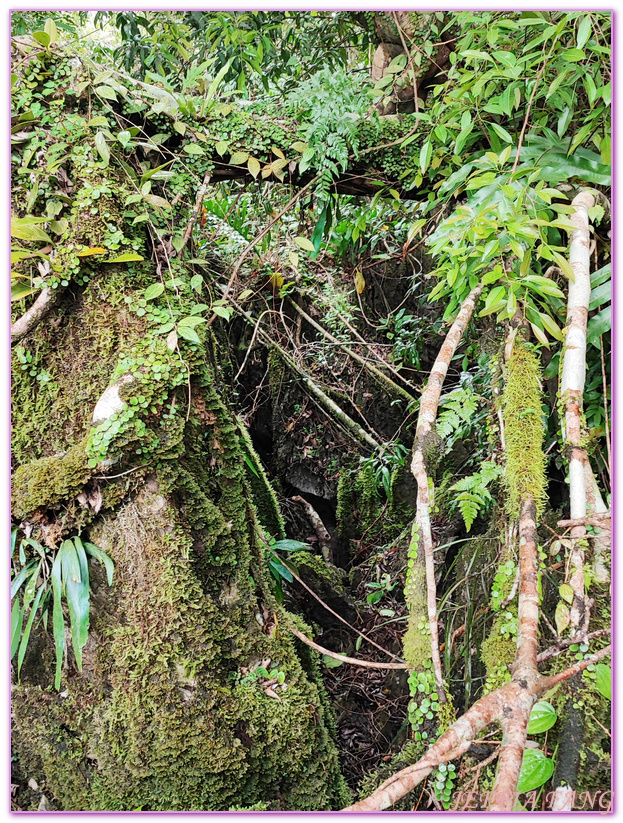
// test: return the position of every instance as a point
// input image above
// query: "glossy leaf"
(603, 680)
(75, 575)
(542, 717)
(536, 769)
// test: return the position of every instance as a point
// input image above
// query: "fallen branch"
(42, 306)
(382, 378)
(367, 664)
(324, 538)
(424, 442)
(459, 737)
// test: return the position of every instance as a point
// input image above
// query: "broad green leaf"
(26, 636)
(290, 546)
(501, 132)
(196, 282)
(180, 127)
(102, 148)
(536, 769)
(75, 574)
(584, 31)
(189, 334)
(152, 172)
(600, 276)
(603, 680)
(24, 229)
(153, 291)
(599, 324)
(281, 570)
(304, 243)
(193, 148)
(17, 619)
(51, 30)
(106, 92)
(331, 662)
(254, 166)
(221, 147)
(550, 326)
(299, 146)
(605, 151)
(20, 290)
(566, 592)
(190, 321)
(126, 257)
(58, 621)
(42, 37)
(239, 157)
(103, 558)
(573, 55)
(602, 294)
(22, 575)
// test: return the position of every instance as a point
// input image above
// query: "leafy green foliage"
(473, 497)
(42, 579)
(278, 571)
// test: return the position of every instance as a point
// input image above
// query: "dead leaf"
(172, 340)
(360, 282)
(43, 804)
(32, 783)
(82, 499)
(272, 693)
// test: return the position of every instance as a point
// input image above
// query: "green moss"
(161, 718)
(498, 650)
(416, 641)
(523, 430)
(48, 481)
(263, 493)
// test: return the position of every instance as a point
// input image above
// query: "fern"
(473, 495)
(459, 407)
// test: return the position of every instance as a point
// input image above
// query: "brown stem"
(195, 212)
(429, 404)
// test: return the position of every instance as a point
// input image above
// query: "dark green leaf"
(58, 622)
(602, 294)
(26, 636)
(75, 573)
(17, 619)
(598, 325)
(103, 558)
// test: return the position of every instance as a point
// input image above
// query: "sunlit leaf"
(536, 769)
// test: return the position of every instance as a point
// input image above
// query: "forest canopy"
(311, 451)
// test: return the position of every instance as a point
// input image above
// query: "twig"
(195, 212)
(554, 651)
(42, 306)
(368, 664)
